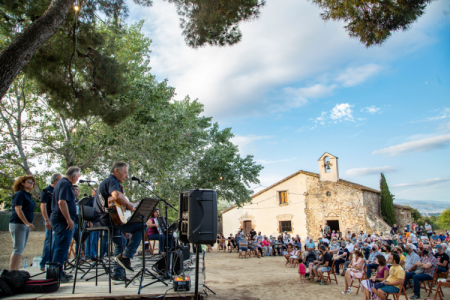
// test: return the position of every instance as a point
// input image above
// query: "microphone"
(86, 181)
(136, 179)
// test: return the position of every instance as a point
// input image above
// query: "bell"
(328, 167)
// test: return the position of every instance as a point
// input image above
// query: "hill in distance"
(426, 207)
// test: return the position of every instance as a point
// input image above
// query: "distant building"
(303, 201)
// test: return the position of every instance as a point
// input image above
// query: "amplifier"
(182, 283)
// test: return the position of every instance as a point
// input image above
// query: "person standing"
(428, 229)
(394, 230)
(76, 229)
(326, 228)
(46, 210)
(64, 215)
(21, 220)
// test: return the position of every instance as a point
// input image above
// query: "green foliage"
(215, 22)
(415, 214)
(387, 202)
(444, 218)
(373, 21)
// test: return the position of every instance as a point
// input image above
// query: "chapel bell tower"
(328, 167)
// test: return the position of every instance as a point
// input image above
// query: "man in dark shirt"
(442, 259)
(325, 266)
(111, 187)
(394, 230)
(252, 233)
(46, 210)
(64, 215)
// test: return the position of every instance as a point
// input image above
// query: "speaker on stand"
(197, 215)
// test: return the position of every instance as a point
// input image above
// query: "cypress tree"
(387, 202)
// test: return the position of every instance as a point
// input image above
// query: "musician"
(91, 242)
(157, 234)
(46, 210)
(76, 230)
(111, 187)
(64, 215)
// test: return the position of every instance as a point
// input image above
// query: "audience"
(381, 275)
(421, 270)
(355, 272)
(394, 281)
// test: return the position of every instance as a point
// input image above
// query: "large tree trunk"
(19, 53)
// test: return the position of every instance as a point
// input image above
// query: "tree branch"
(20, 51)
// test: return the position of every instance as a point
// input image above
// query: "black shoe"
(414, 297)
(65, 279)
(119, 280)
(124, 262)
(66, 275)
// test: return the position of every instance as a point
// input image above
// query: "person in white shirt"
(350, 247)
(413, 238)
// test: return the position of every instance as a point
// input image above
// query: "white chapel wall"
(265, 212)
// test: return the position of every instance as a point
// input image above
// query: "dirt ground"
(33, 248)
(268, 278)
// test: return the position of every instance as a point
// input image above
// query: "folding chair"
(359, 280)
(401, 292)
(439, 289)
(427, 285)
(151, 248)
(331, 273)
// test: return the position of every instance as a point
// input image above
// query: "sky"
(296, 87)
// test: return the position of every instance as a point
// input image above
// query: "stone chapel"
(303, 201)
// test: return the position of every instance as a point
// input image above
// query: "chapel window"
(282, 197)
(285, 226)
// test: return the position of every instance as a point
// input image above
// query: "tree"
(373, 21)
(387, 202)
(444, 218)
(415, 214)
(28, 24)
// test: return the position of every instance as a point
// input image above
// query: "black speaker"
(186, 251)
(177, 263)
(198, 215)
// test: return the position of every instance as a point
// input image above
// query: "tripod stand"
(141, 215)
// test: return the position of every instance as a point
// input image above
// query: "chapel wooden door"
(247, 227)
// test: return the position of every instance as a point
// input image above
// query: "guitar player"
(155, 233)
(111, 187)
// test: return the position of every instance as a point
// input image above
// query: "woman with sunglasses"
(21, 221)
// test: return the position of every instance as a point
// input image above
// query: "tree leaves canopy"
(373, 21)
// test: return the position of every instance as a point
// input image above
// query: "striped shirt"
(429, 260)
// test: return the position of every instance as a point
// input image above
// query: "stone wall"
(372, 201)
(402, 215)
(376, 224)
(344, 203)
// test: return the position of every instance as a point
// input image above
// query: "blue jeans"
(390, 289)
(162, 239)
(442, 270)
(369, 269)
(91, 245)
(417, 279)
(46, 257)
(136, 230)
(76, 237)
(104, 245)
(63, 238)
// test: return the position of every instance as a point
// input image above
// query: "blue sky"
(296, 87)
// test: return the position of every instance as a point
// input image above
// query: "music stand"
(141, 215)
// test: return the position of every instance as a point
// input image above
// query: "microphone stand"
(166, 247)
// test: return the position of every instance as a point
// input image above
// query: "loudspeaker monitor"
(198, 215)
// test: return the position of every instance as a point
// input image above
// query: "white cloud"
(370, 171)
(342, 112)
(371, 110)
(354, 76)
(444, 114)
(427, 182)
(266, 162)
(422, 145)
(300, 96)
(244, 143)
(322, 119)
(288, 45)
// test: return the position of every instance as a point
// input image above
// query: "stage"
(88, 290)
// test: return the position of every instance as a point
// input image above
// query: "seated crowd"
(380, 263)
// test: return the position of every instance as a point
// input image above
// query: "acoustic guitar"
(119, 212)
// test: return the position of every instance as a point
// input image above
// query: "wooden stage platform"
(88, 290)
